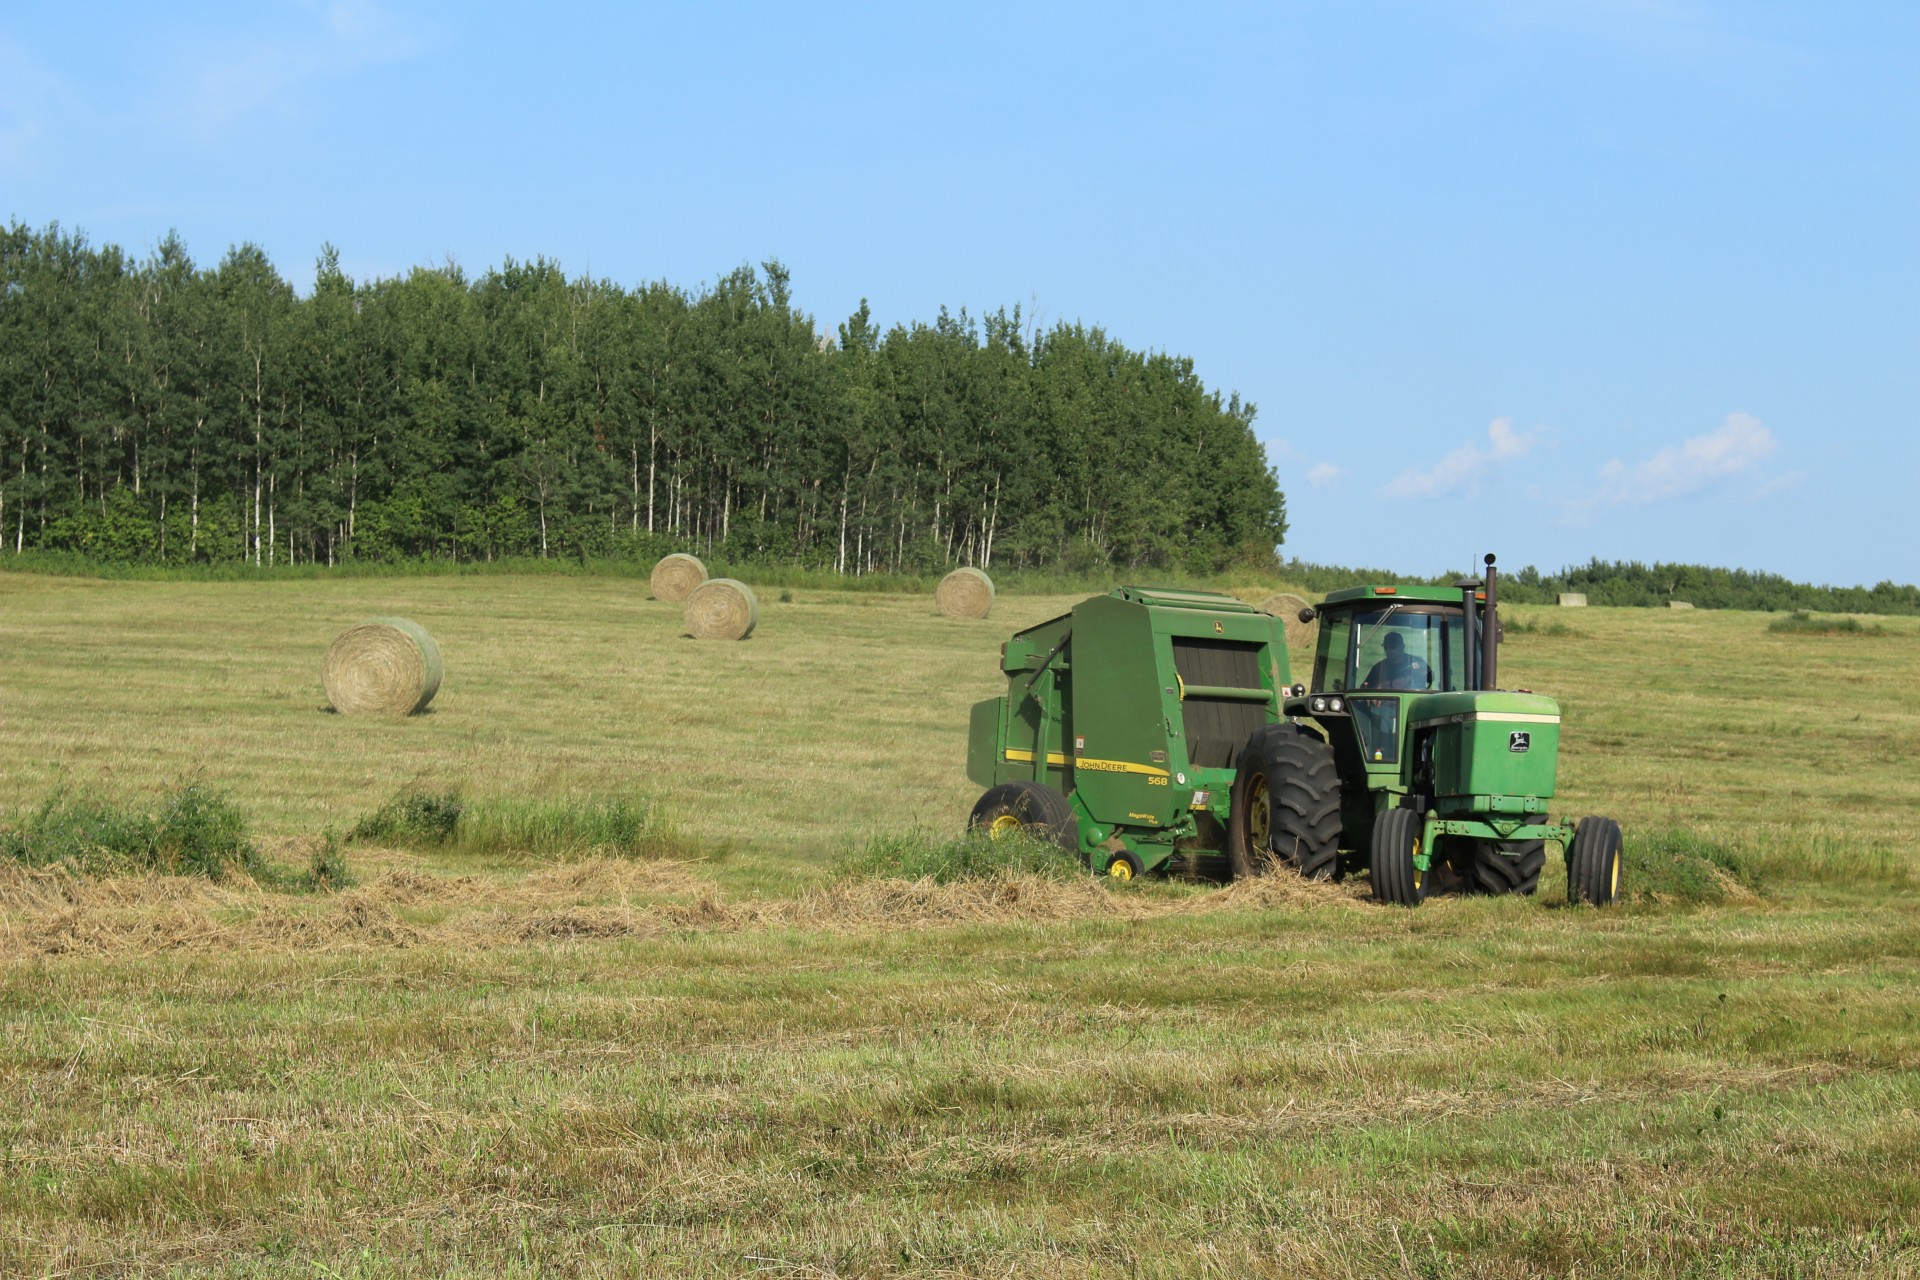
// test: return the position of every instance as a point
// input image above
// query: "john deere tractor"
(1149, 727)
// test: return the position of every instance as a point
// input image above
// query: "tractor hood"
(1491, 743)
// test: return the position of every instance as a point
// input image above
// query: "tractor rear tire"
(1029, 807)
(1593, 862)
(1285, 805)
(1396, 842)
(1508, 866)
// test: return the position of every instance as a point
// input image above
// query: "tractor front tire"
(1028, 807)
(1593, 862)
(1285, 805)
(1396, 842)
(1508, 866)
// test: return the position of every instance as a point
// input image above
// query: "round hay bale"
(1287, 606)
(722, 609)
(384, 666)
(964, 593)
(676, 576)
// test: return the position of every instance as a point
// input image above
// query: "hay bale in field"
(964, 593)
(1573, 599)
(722, 609)
(384, 666)
(1679, 604)
(1287, 606)
(676, 577)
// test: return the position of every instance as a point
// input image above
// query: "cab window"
(1333, 656)
(1409, 650)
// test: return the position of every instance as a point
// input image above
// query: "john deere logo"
(1519, 741)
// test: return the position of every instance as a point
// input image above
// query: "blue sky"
(1637, 279)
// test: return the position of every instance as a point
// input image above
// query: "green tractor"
(1149, 728)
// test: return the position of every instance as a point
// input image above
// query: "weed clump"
(975, 856)
(327, 870)
(627, 827)
(196, 831)
(1679, 866)
(411, 817)
(632, 827)
(1802, 623)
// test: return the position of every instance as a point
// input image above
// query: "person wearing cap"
(1397, 669)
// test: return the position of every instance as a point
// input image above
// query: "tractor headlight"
(1319, 704)
(1336, 705)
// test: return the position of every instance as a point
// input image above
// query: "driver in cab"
(1397, 669)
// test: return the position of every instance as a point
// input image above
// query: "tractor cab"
(1378, 647)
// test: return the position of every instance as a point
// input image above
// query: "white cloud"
(1738, 445)
(1779, 484)
(1464, 471)
(1322, 474)
(236, 81)
(1280, 450)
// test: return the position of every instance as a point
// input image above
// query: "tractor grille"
(1217, 728)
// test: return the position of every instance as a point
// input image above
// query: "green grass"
(416, 818)
(944, 859)
(1679, 866)
(1802, 623)
(860, 1045)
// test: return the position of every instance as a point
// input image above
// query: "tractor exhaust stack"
(1490, 630)
(1469, 589)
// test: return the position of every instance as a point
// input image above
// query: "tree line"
(153, 411)
(1630, 583)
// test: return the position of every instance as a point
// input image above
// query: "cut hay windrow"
(676, 577)
(722, 609)
(55, 912)
(964, 593)
(384, 666)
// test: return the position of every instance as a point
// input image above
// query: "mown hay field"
(740, 1058)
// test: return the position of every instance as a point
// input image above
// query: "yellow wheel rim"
(1004, 825)
(1259, 815)
(1419, 876)
(1120, 869)
(1614, 892)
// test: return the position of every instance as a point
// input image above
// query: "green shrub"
(197, 831)
(412, 817)
(1802, 623)
(920, 856)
